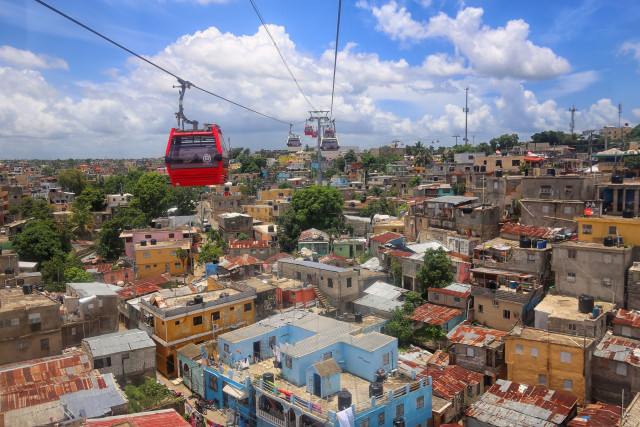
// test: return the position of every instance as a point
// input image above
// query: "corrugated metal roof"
(141, 289)
(434, 314)
(385, 237)
(528, 231)
(119, 342)
(448, 381)
(454, 200)
(618, 349)
(312, 264)
(94, 288)
(456, 289)
(507, 404)
(310, 233)
(68, 378)
(476, 336)
(377, 302)
(327, 368)
(164, 417)
(421, 248)
(498, 294)
(385, 290)
(597, 415)
(372, 265)
(627, 317)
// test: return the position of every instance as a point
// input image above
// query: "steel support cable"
(180, 80)
(255, 8)
(335, 59)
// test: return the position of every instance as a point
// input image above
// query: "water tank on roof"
(375, 389)
(358, 317)
(609, 241)
(127, 227)
(542, 244)
(154, 241)
(158, 225)
(269, 376)
(628, 213)
(198, 299)
(9, 270)
(271, 229)
(344, 399)
(551, 172)
(585, 304)
(499, 173)
(143, 243)
(525, 242)
(617, 179)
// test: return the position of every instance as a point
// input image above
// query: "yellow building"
(549, 359)
(275, 193)
(396, 226)
(177, 321)
(283, 160)
(592, 229)
(156, 258)
(262, 213)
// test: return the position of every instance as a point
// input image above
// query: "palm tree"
(81, 220)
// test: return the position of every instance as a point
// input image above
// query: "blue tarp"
(210, 269)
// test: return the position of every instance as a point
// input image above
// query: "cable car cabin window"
(193, 151)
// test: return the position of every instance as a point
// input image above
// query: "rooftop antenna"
(456, 136)
(466, 113)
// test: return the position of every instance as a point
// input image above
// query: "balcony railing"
(271, 419)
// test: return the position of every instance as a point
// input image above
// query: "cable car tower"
(322, 120)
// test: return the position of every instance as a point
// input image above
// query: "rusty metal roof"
(247, 244)
(164, 417)
(141, 289)
(332, 257)
(508, 404)
(439, 358)
(314, 234)
(475, 336)
(68, 378)
(448, 381)
(528, 231)
(618, 349)
(597, 415)
(627, 317)
(386, 237)
(434, 314)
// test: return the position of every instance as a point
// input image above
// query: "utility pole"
(456, 136)
(620, 125)
(466, 113)
(590, 133)
(321, 118)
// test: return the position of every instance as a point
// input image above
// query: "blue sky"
(401, 72)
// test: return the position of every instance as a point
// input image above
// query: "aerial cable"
(180, 80)
(335, 59)
(279, 52)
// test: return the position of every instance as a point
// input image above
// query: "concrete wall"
(592, 264)
(551, 213)
(608, 384)
(493, 316)
(128, 366)
(559, 187)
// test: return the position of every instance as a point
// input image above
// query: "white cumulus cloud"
(26, 59)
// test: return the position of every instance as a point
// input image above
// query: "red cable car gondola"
(198, 156)
(308, 129)
(314, 133)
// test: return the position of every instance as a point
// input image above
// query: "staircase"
(323, 299)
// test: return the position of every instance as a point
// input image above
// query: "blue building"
(283, 176)
(295, 360)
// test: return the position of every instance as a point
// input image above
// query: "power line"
(335, 59)
(280, 53)
(180, 80)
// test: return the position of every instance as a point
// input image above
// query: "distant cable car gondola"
(198, 156)
(308, 129)
(293, 141)
(314, 133)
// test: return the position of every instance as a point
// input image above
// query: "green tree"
(288, 231)
(485, 148)
(550, 136)
(81, 220)
(114, 184)
(35, 208)
(77, 275)
(285, 184)
(208, 253)
(339, 164)
(235, 152)
(151, 195)
(72, 180)
(415, 181)
(396, 272)
(184, 198)
(413, 298)
(109, 244)
(375, 191)
(399, 325)
(459, 188)
(93, 198)
(317, 207)
(504, 142)
(243, 236)
(382, 206)
(350, 157)
(435, 270)
(54, 269)
(39, 241)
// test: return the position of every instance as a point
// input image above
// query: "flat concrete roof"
(542, 336)
(15, 299)
(567, 308)
(206, 296)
